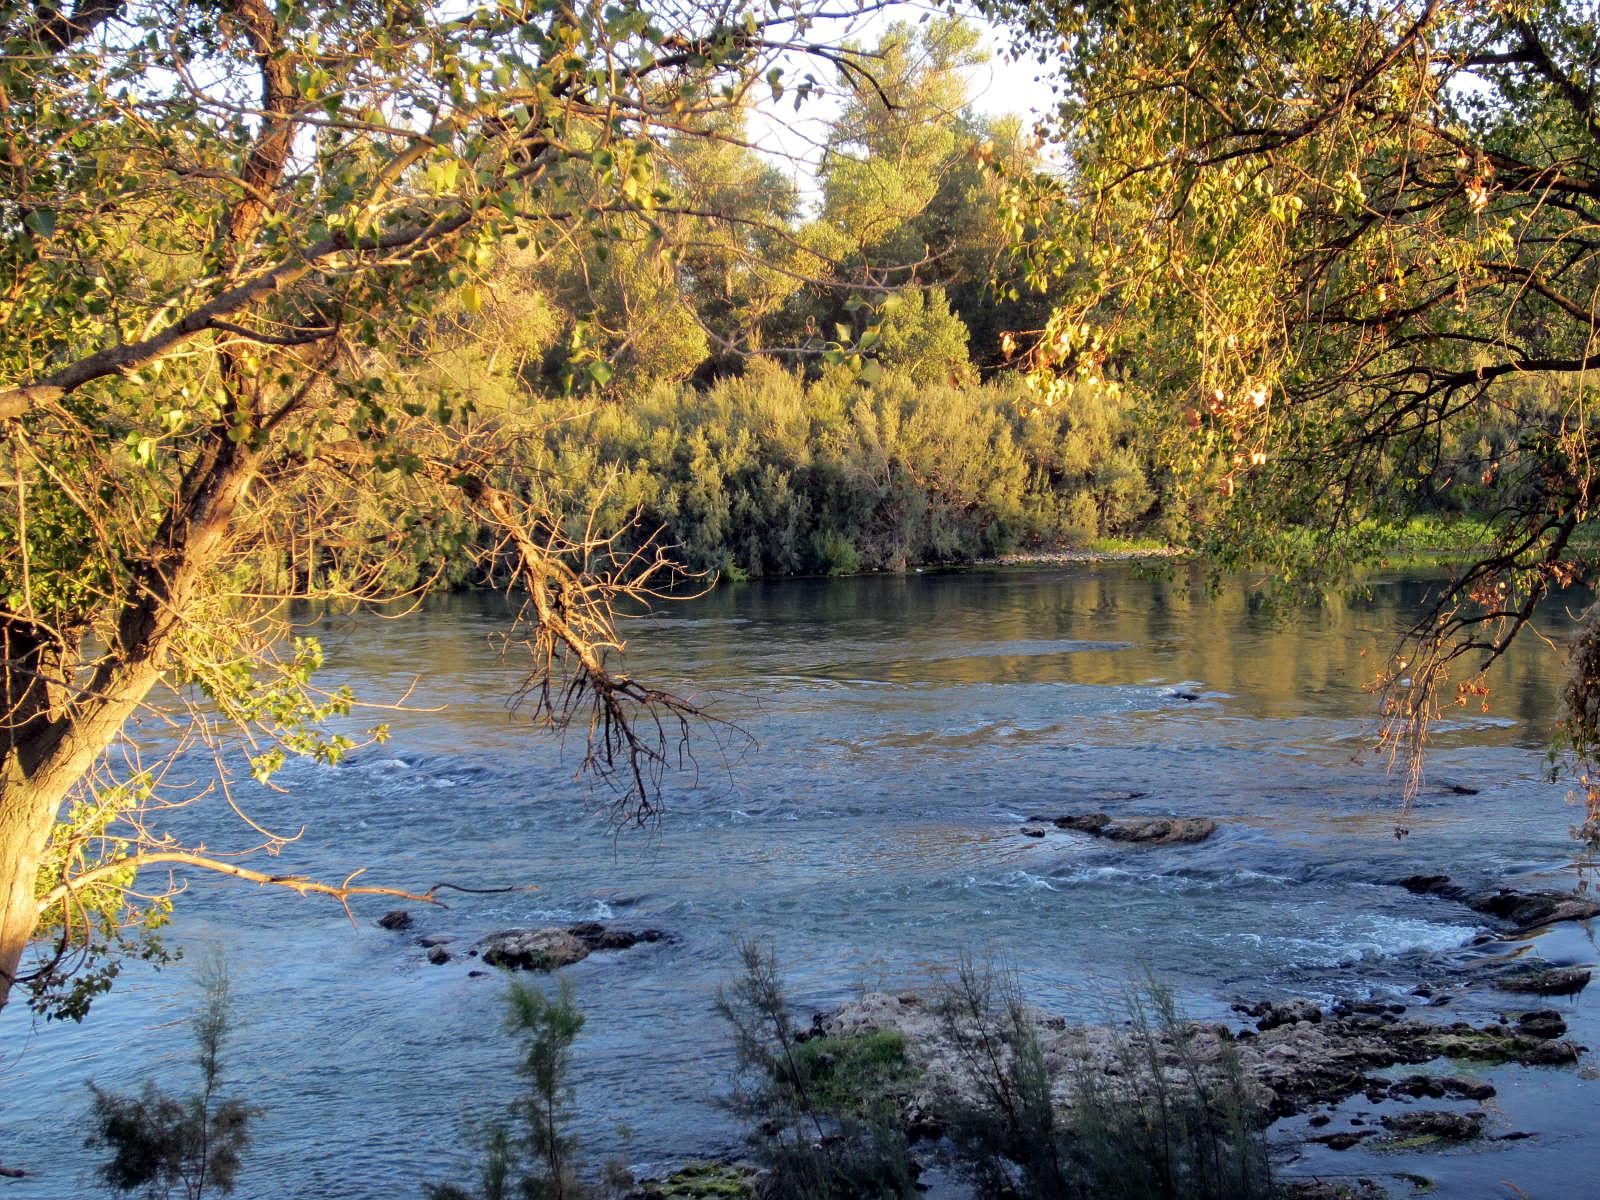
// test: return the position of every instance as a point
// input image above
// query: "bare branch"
(303, 885)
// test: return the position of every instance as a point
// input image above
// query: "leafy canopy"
(1350, 251)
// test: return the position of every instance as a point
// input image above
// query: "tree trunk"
(26, 815)
(34, 782)
(45, 754)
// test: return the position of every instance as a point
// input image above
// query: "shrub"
(825, 1111)
(163, 1145)
(532, 1160)
(770, 473)
(1159, 1126)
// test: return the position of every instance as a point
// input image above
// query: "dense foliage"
(769, 473)
(1348, 253)
(263, 266)
(796, 389)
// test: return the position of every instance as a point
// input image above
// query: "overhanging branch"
(302, 884)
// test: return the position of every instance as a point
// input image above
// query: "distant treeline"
(771, 474)
(699, 394)
(767, 474)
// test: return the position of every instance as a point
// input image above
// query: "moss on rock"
(701, 1181)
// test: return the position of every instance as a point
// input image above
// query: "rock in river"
(1530, 910)
(552, 948)
(1436, 1123)
(1524, 910)
(396, 920)
(1555, 981)
(1270, 1014)
(1545, 1023)
(1292, 1067)
(1438, 1087)
(1153, 831)
(702, 1181)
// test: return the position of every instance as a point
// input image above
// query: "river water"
(901, 729)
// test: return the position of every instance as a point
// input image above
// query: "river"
(900, 730)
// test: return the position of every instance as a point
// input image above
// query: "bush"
(769, 473)
(1161, 1127)
(533, 1159)
(164, 1145)
(825, 1111)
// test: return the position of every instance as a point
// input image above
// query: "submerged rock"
(554, 947)
(1436, 1087)
(701, 1181)
(1523, 910)
(1436, 1123)
(1530, 910)
(438, 955)
(1545, 1023)
(1164, 831)
(1344, 1139)
(600, 937)
(1425, 885)
(1552, 981)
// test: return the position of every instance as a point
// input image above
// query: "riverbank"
(1360, 1100)
(1069, 557)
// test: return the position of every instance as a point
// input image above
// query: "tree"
(913, 182)
(918, 334)
(535, 1162)
(904, 128)
(736, 273)
(1337, 244)
(163, 1146)
(225, 227)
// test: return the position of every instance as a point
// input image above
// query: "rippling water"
(902, 730)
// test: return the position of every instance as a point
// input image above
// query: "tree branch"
(130, 356)
(57, 31)
(301, 884)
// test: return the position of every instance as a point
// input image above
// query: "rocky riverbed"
(1294, 1056)
(1358, 1072)
(1408, 1074)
